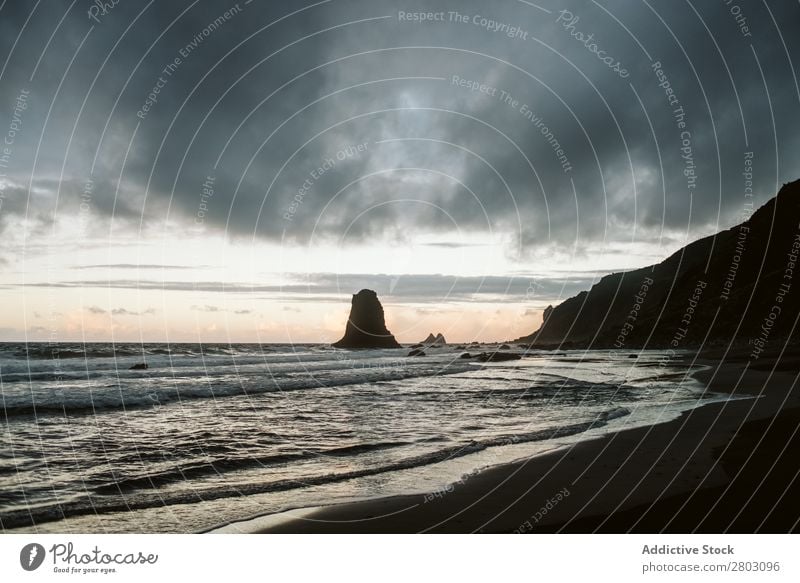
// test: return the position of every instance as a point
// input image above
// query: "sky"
(198, 171)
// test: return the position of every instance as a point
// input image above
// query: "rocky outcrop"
(437, 340)
(417, 352)
(717, 290)
(366, 326)
(497, 356)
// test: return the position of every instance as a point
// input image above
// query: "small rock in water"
(139, 366)
(416, 352)
(497, 357)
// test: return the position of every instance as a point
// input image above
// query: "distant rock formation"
(437, 340)
(717, 290)
(366, 326)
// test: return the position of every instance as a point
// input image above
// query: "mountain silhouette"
(739, 286)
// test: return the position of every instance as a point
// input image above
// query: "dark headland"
(724, 467)
(735, 288)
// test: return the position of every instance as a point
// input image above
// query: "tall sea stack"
(366, 327)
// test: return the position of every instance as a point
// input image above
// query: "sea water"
(210, 434)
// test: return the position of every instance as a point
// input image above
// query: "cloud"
(126, 312)
(216, 309)
(136, 266)
(453, 245)
(206, 308)
(95, 310)
(239, 132)
(337, 287)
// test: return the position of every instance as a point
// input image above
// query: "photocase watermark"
(95, 561)
(206, 193)
(679, 117)
(533, 288)
(568, 21)
(440, 493)
(686, 320)
(85, 207)
(511, 31)
(32, 556)
(523, 109)
(66, 559)
(747, 174)
(744, 230)
(7, 149)
(344, 357)
(780, 295)
(327, 164)
(633, 314)
(739, 17)
(183, 54)
(548, 506)
(99, 9)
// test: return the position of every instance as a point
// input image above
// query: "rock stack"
(366, 326)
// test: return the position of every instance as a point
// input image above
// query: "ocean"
(213, 434)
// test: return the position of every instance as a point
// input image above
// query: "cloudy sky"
(211, 171)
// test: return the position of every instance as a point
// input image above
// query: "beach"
(721, 467)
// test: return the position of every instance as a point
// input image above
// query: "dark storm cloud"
(337, 122)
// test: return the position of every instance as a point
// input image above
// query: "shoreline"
(720, 467)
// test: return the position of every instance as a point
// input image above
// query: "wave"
(28, 401)
(68, 350)
(199, 363)
(58, 353)
(614, 414)
(218, 467)
(103, 504)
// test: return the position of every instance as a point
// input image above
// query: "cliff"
(738, 285)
